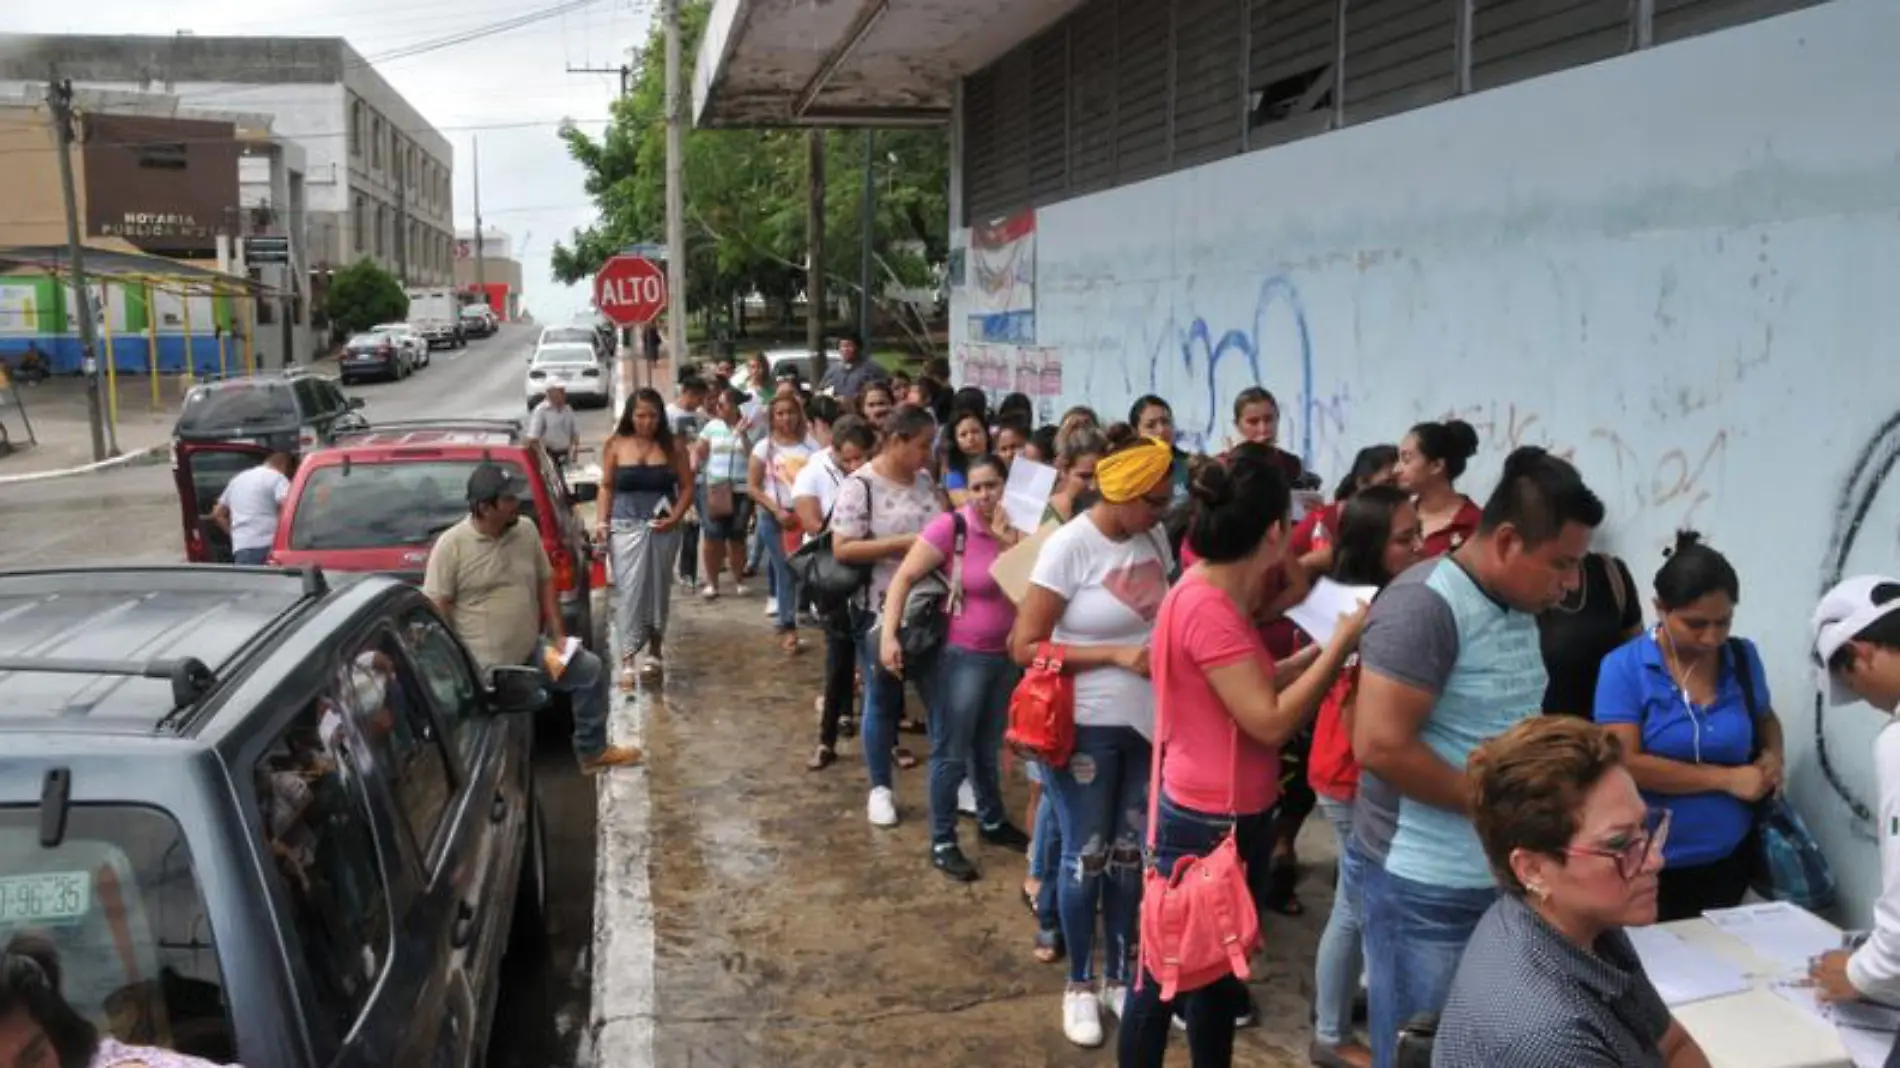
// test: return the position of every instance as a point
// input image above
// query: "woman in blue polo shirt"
(1675, 698)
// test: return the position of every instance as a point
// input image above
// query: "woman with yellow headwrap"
(1096, 587)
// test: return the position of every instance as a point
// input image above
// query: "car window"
(310, 399)
(445, 671)
(395, 722)
(334, 399)
(567, 335)
(566, 354)
(319, 834)
(118, 898)
(237, 407)
(378, 505)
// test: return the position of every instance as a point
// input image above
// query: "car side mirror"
(512, 690)
(584, 492)
(357, 403)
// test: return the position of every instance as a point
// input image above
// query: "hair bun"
(1462, 437)
(1685, 540)
(1212, 486)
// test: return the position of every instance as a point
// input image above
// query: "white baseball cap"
(1846, 610)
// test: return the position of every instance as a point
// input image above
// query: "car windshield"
(238, 406)
(571, 335)
(367, 341)
(564, 354)
(119, 901)
(379, 505)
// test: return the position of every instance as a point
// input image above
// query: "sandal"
(788, 643)
(821, 758)
(1049, 947)
(847, 726)
(906, 725)
(628, 679)
(904, 757)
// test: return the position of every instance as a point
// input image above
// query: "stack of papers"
(1319, 614)
(1788, 935)
(1682, 973)
(1026, 493)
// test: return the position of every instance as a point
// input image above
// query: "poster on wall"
(19, 309)
(1000, 271)
(998, 370)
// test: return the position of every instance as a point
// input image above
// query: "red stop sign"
(630, 290)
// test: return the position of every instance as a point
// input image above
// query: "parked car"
(267, 820)
(230, 425)
(778, 358)
(479, 320)
(589, 382)
(410, 338)
(375, 354)
(568, 335)
(376, 500)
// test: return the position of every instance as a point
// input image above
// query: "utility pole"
(59, 99)
(869, 225)
(675, 194)
(815, 246)
(481, 273)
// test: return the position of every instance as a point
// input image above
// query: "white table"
(1758, 1028)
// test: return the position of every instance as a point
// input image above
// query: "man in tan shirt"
(489, 574)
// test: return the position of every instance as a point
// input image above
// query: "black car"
(265, 820)
(229, 425)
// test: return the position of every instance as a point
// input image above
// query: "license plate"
(49, 897)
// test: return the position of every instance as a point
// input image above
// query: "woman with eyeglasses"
(1549, 977)
(1691, 707)
(39, 1028)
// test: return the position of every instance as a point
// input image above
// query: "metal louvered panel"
(1207, 80)
(1049, 116)
(1290, 37)
(1092, 97)
(1141, 90)
(1676, 19)
(1517, 39)
(1400, 54)
(1014, 86)
(979, 145)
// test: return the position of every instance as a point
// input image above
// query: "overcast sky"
(530, 188)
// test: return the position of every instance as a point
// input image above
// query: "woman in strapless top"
(646, 488)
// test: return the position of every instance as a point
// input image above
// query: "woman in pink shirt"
(1221, 715)
(970, 682)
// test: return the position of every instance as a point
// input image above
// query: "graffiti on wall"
(1001, 276)
(998, 370)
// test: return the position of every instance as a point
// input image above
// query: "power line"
(164, 141)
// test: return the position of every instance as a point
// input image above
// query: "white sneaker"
(966, 799)
(1114, 996)
(882, 807)
(1082, 1018)
(739, 589)
(771, 606)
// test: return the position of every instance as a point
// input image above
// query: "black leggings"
(1684, 893)
(841, 666)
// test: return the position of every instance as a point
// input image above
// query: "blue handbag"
(1788, 865)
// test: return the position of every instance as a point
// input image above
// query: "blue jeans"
(1209, 1011)
(1414, 935)
(1101, 802)
(585, 685)
(778, 572)
(1341, 955)
(967, 719)
(884, 705)
(250, 557)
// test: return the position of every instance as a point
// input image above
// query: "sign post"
(630, 290)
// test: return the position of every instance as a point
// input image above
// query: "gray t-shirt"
(1527, 997)
(556, 429)
(849, 379)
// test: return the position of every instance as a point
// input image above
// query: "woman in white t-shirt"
(1095, 590)
(880, 511)
(774, 468)
(721, 457)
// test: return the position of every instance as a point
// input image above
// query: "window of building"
(400, 730)
(162, 155)
(318, 830)
(382, 230)
(376, 143)
(359, 219)
(356, 128)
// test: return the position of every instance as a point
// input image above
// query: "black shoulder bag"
(832, 582)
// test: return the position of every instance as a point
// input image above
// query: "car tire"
(528, 928)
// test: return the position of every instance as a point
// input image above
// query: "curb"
(122, 460)
(620, 1013)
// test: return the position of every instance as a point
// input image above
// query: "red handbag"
(1042, 710)
(1198, 921)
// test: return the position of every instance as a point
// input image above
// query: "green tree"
(362, 295)
(746, 197)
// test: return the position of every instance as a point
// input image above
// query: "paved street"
(131, 515)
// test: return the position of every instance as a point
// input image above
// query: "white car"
(588, 378)
(777, 358)
(409, 338)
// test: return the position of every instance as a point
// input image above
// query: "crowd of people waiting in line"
(1489, 855)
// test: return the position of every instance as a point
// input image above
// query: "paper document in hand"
(1683, 973)
(556, 660)
(1776, 931)
(1319, 614)
(1027, 492)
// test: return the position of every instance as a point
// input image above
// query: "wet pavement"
(789, 931)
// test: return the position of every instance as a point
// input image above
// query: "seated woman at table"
(1549, 979)
(1691, 707)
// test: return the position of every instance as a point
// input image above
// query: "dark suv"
(229, 425)
(264, 820)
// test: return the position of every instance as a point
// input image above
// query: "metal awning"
(116, 262)
(851, 62)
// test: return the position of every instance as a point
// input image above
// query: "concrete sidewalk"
(59, 413)
(748, 914)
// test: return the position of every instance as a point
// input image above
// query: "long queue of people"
(1514, 764)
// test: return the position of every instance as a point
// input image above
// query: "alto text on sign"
(630, 290)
